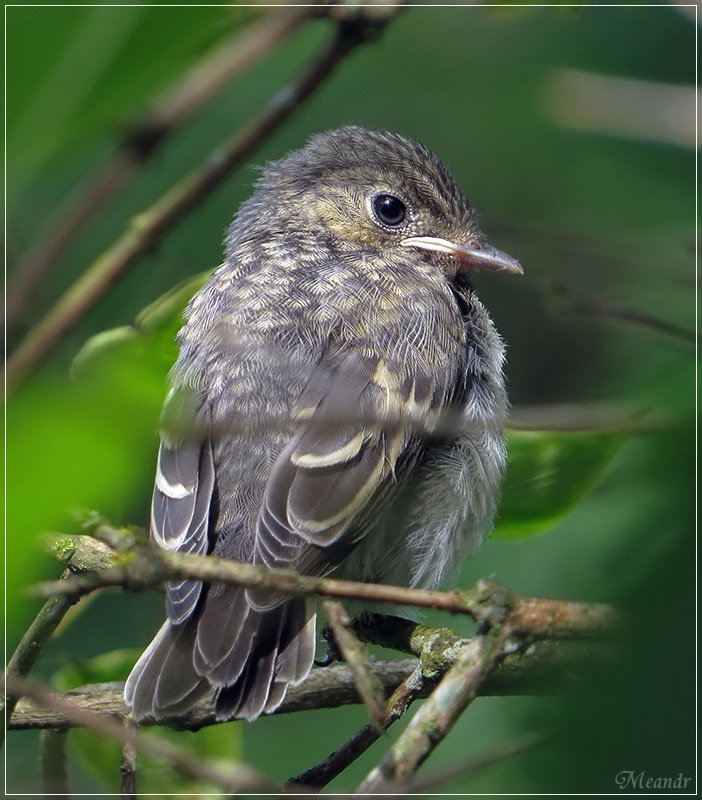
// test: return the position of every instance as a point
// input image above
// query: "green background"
(607, 215)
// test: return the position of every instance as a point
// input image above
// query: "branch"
(142, 140)
(52, 762)
(579, 302)
(38, 633)
(511, 628)
(128, 764)
(436, 717)
(34, 641)
(630, 107)
(545, 668)
(150, 226)
(509, 624)
(488, 602)
(475, 764)
(411, 688)
(355, 656)
(92, 554)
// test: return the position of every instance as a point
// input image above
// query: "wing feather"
(347, 445)
(181, 501)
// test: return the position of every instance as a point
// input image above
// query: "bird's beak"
(475, 255)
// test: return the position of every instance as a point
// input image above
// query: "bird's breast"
(271, 315)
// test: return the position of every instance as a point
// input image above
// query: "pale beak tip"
(512, 268)
(478, 254)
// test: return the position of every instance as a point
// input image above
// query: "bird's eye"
(388, 209)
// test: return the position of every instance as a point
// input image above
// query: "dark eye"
(389, 210)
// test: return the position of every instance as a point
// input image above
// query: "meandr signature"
(630, 779)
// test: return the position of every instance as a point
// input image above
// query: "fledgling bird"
(306, 427)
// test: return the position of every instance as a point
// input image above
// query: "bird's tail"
(248, 656)
(163, 682)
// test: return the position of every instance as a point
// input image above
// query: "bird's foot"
(333, 652)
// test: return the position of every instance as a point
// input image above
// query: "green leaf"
(548, 474)
(86, 444)
(152, 336)
(165, 313)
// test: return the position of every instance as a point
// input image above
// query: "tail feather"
(255, 689)
(164, 682)
(276, 695)
(281, 655)
(247, 657)
(297, 645)
(226, 631)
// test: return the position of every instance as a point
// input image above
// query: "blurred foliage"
(102, 757)
(611, 216)
(47, 53)
(152, 334)
(548, 473)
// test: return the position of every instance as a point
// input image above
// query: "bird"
(337, 406)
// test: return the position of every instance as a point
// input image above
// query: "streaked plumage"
(337, 407)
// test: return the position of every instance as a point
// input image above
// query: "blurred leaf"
(87, 444)
(165, 314)
(114, 666)
(153, 332)
(218, 743)
(548, 474)
(101, 757)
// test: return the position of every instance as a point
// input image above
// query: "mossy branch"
(145, 565)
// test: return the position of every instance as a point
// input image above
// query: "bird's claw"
(333, 652)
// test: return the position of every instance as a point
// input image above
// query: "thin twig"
(38, 633)
(80, 554)
(470, 766)
(579, 302)
(139, 143)
(128, 765)
(149, 566)
(52, 762)
(35, 638)
(414, 686)
(429, 726)
(510, 623)
(150, 226)
(356, 657)
(240, 778)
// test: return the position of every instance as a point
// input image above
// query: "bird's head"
(377, 189)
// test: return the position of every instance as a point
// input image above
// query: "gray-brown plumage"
(307, 426)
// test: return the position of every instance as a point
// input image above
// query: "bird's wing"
(354, 425)
(180, 504)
